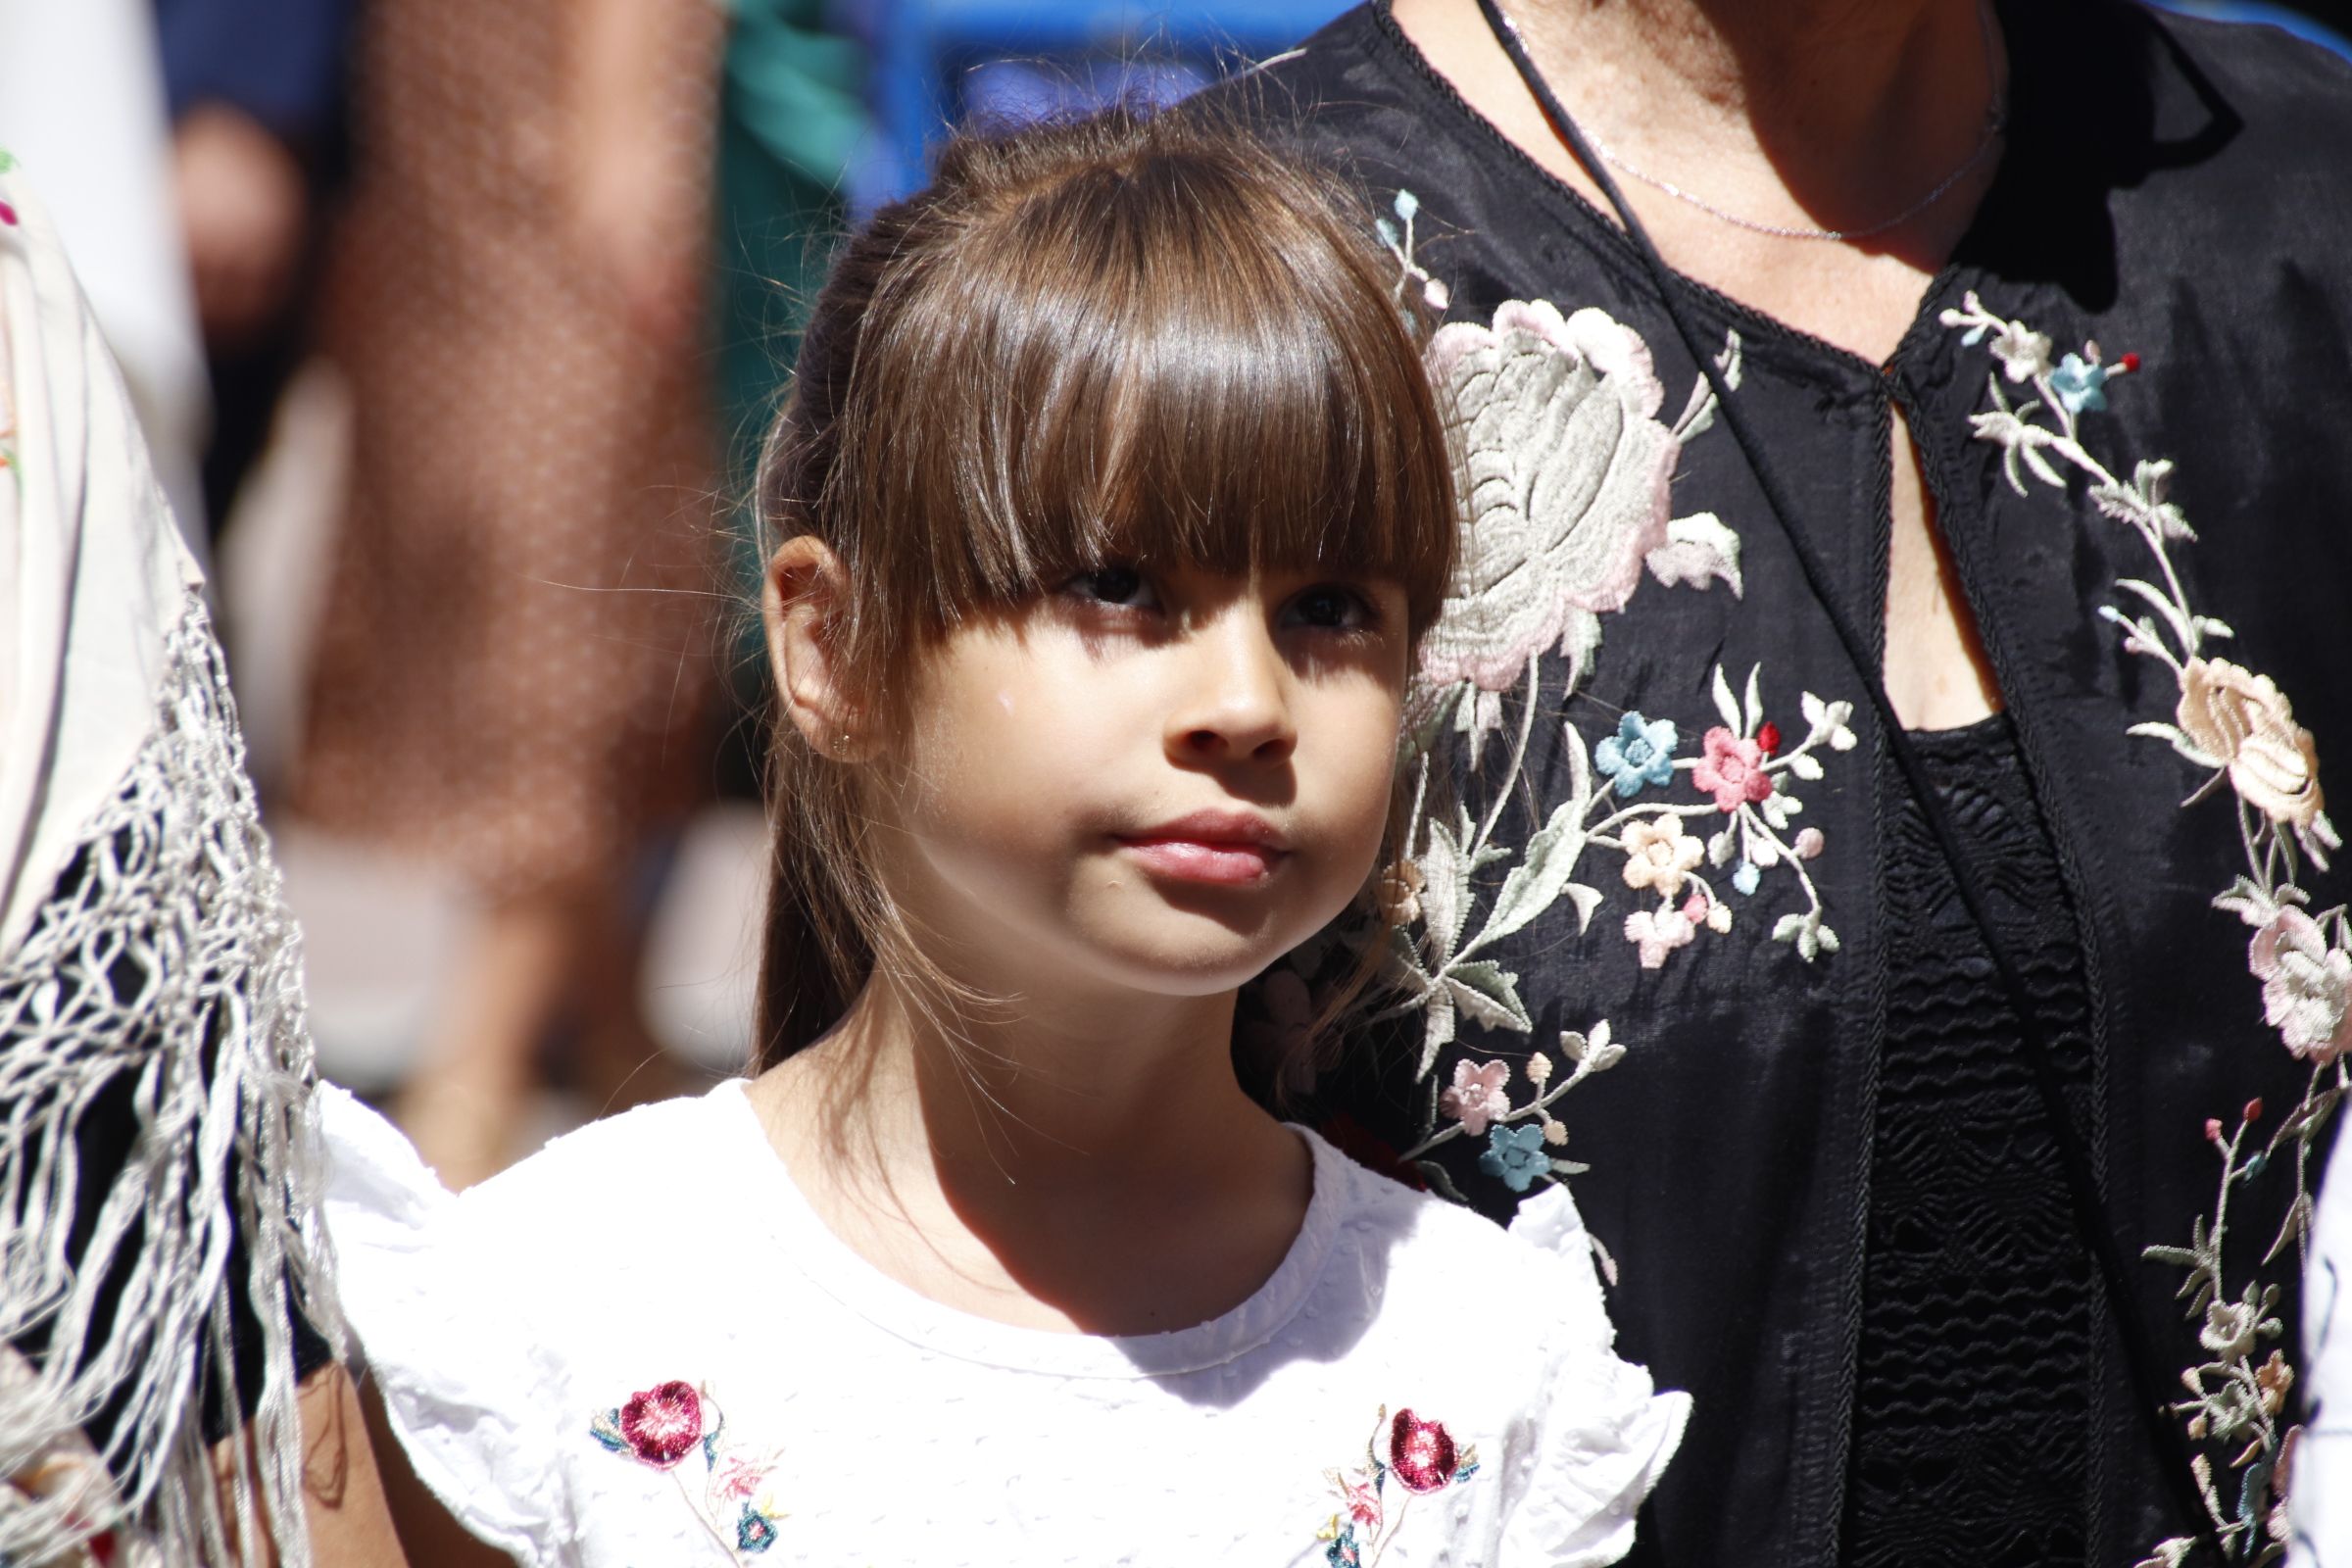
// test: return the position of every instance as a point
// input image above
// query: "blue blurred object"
(2276, 16)
(940, 60)
(280, 60)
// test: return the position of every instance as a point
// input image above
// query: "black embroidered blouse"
(1676, 816)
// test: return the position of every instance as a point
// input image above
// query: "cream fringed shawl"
(142, 941)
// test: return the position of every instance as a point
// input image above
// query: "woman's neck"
(1090, 1164)
(1801, 115)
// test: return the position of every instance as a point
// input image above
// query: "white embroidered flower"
(1658, 855)
(1564, 471)
(1827, 723)
(2306, 985)
(2229, 1330)
(1658, 932)
(2245, 722)
(2023, 352)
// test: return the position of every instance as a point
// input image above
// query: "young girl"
(1113, 501)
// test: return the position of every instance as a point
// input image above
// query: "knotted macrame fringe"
(164, 961)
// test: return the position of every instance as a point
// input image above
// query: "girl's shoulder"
(471, 1309)
(1432, 1256)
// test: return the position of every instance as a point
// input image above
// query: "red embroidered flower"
(662, 1425)
(1732, 769)
(1420, 1452)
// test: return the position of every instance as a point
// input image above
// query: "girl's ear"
(803, 601)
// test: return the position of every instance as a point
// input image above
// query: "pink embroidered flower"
(1363, 1501)
(1478, 1094)
(1564, 471)
(1420, 1452)
(2245, 722)
(662, 1425)
(1732, 769)
(741, 1477)
(2306, 985)
(1659, 855)
(1809, 844)
(1658, 932)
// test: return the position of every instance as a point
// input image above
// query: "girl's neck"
(1089, 1165)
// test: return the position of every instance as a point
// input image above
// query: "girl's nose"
(1235, 703)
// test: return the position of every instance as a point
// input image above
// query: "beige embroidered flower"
(2272, 1379)
(2246, 723)
(1400, 892)
(1658, 854)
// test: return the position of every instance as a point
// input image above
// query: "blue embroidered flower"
(2080, 384)
(1745, 878)
(1343, 1552)
(754, 1530)
(1515, 1155)
(1642, 751)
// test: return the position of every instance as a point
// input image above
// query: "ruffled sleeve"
(1605, 1433)
(430, 1302)
(2319, 1479)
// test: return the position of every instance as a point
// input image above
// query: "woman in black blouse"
(2033, 324)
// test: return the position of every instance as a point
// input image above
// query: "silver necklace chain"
(1996, 121)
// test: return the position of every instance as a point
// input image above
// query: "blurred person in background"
(253, 90)
(510, 668)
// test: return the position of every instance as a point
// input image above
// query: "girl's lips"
(1228, 862)
(1228, 848)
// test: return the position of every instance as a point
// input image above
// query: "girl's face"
(1148, 781)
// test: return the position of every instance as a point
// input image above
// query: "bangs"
(1182, 355)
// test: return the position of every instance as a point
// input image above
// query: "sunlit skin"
(1111, 804)
(1800, 112)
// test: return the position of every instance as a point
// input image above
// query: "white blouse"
(642, 1348)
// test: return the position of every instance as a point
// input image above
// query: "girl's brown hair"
(1134, 336)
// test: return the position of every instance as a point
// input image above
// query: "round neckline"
(838, 1271)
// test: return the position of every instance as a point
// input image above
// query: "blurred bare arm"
(631, 211)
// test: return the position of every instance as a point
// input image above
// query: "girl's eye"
(1330, 606)
(1121, 587)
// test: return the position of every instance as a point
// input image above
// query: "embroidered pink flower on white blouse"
(1732, 770)
(1478, 1094)
(662, 1424)
(2306, 985)
(741, 1477)
(1564, 476)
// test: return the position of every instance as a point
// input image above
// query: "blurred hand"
(243, 207)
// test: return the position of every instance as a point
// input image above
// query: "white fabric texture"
(149, 974)
(643, 1345)
(2320, 1484)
